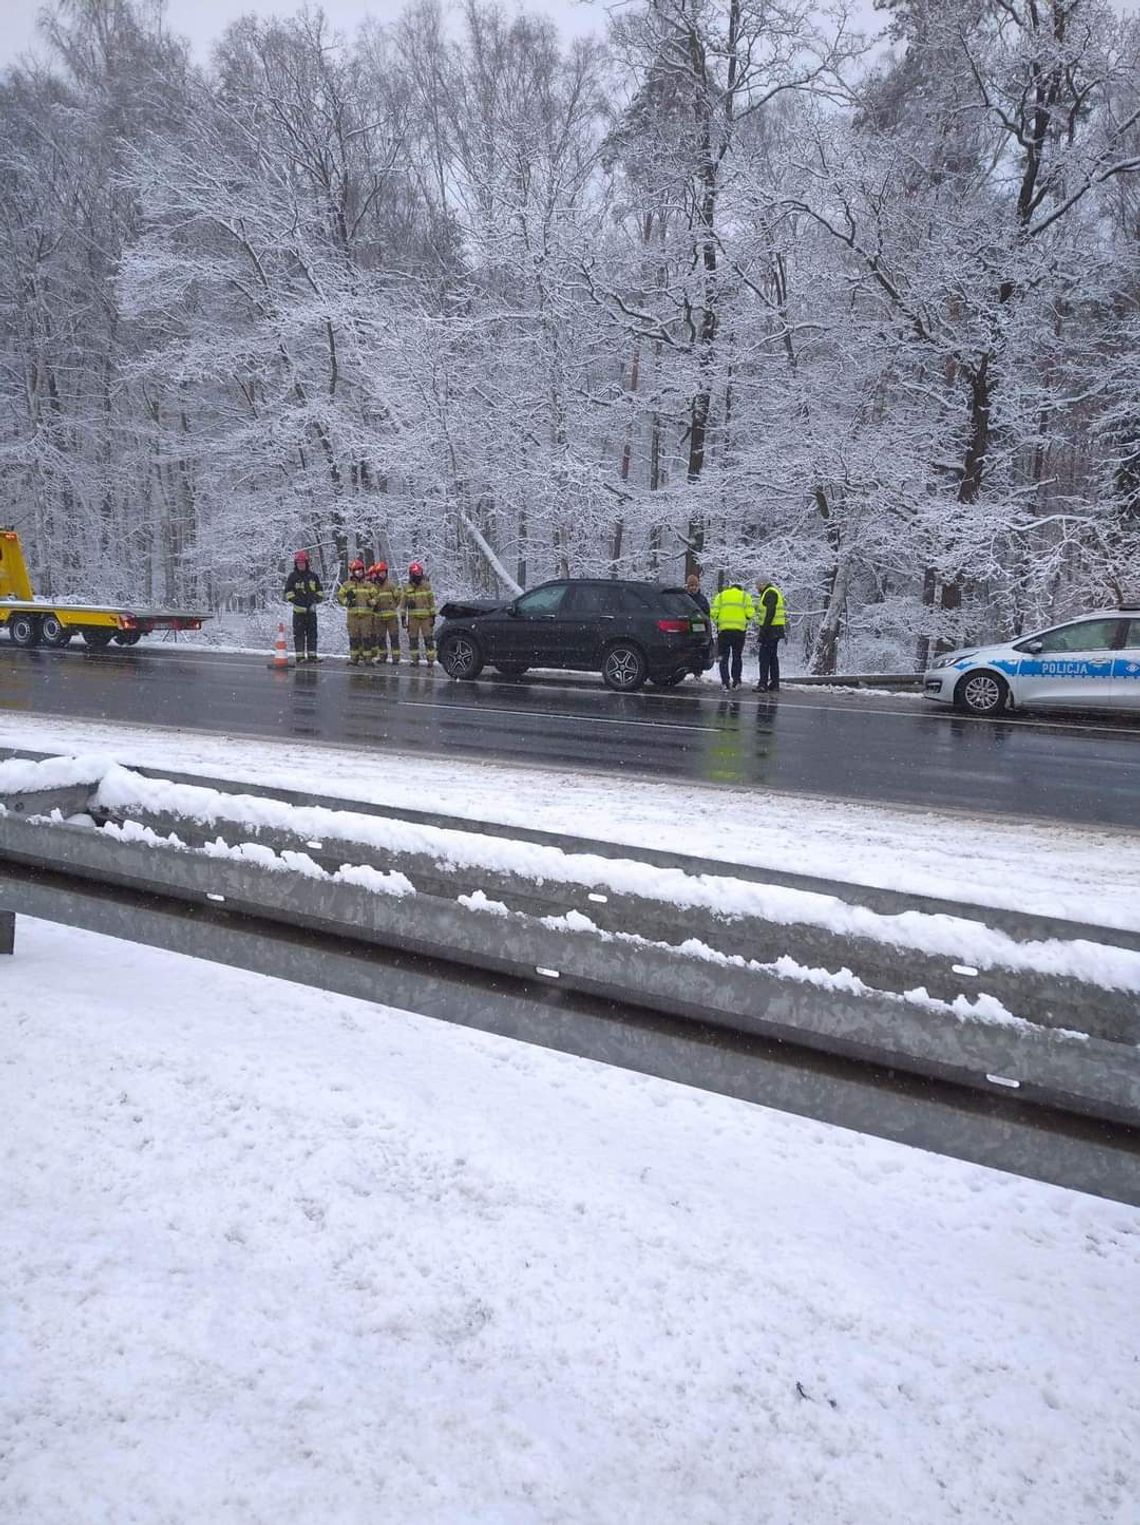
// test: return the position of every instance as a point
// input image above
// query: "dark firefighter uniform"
(419, 614)
(304, 592)
(385, 614)
(772, 627)
(355, 595)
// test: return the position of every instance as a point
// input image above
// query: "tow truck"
(32, 621)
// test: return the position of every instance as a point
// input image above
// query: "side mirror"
(513, 611)
(1035, 646)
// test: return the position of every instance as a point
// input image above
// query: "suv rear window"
(677, 601)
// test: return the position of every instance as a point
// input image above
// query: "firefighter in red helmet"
(304, 592)
(419, 614)
(355, 595)
(385, 613)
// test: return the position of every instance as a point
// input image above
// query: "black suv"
(627, 631)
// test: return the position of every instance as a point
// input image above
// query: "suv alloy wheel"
(459, 655)
(623, 667)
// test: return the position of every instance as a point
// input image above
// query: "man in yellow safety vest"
(772, 628)
(732, 611)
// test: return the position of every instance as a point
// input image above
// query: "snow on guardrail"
(118, 791)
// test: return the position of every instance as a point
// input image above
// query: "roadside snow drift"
(284, 1257)
(1083, 873)
(118, 789)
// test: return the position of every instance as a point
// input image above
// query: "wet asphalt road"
(889, 750)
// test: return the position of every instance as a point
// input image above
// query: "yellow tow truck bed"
(32, 621)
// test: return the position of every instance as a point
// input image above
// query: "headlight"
(948, 658)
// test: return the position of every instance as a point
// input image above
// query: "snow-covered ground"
(278, 1256)
(1085, 873)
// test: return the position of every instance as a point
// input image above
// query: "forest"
(732, 285)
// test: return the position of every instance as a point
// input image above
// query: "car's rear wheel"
(982, 693)
(24, 630)
(623, 667)
(510, 669)
(97, 639)
(53, 631)
(459, 655)
(670, 679)
(128, 637)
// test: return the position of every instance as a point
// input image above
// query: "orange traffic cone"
(280, 650)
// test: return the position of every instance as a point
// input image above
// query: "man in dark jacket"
(303, 590)
(693, 589)
(772, 627)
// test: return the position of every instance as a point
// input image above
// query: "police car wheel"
(460, 657)
(982, 693)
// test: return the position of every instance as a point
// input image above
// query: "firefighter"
(385, 614)
(419, 615)
(303, 590)
(772, 628)
(733, 611)
(355, 593)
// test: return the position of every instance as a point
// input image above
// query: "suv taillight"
(673, 627)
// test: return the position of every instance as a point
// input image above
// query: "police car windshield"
(1084, 635)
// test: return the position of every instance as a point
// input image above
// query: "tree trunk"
(825, 649)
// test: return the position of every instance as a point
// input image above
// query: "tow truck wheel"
(24, 630)
(53, 631)
(97, 639)
(129, 637)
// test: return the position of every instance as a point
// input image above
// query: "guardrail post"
(7, 931)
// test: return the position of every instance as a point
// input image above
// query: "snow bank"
(981, 1008)
(18, 775)
(274, 1257)
(950, 936)
(379, 881)
(119, 789)
(1083, 873)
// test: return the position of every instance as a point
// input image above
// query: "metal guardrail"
(1026, 925)
(1054, 1104)
(901, 680)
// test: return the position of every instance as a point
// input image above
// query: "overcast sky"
(203, 20)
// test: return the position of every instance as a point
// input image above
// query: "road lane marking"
(916, 807)
(236, 661)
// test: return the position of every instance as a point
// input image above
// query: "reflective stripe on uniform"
(779, 617)
(732, 609)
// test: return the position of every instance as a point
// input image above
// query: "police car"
(1089, 663)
